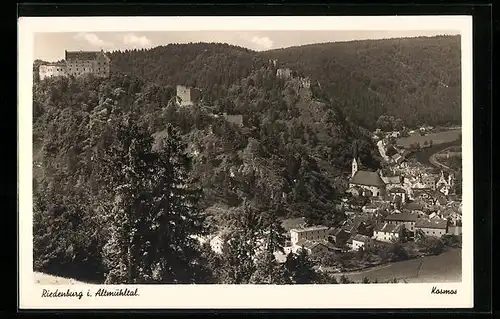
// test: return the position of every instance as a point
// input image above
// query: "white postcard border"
(241, 296)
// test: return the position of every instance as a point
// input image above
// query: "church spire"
(355, 166)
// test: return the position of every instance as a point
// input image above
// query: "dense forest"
(107, 150)
(415, 79)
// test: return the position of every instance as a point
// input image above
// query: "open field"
(437, 138)
(446, 267)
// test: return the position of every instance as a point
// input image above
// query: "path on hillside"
(435, 162)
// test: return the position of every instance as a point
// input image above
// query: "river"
(424, 155)
(446, 267)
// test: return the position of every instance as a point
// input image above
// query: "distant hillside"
(415, 79)
(210, 66)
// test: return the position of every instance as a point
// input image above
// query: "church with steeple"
(369, 182)
(445, 185)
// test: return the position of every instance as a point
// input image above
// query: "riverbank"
(445, 267)
(423, 156)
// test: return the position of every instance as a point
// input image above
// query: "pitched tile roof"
(361, 238)
(311, 244)
(388, 228)
(312, 228)
(335, 231)
(392, 179)
(81, 55)
(427, 223)
(367, 178)
(402, 217)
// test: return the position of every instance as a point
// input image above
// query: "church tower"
(355, 166)
(355, 161)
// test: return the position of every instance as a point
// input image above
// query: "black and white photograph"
(209, 156)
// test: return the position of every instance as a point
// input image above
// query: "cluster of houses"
(395, 209)
(378, 134)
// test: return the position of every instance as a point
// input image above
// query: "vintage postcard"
(245, 162)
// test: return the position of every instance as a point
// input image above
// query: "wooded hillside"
(415, 79)
(282, 162)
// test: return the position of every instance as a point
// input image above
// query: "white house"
(314, 233)
(388, 233)
(408, 219)
(435, 227)
(361, 241)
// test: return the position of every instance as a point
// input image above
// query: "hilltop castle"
(77, 63)
(187, 96)
(288, 74)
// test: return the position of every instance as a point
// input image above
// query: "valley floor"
(446, 267)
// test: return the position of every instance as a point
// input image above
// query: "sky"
(51, 46)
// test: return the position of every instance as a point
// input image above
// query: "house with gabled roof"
(338, 236)
(387, 232)
(407, 219)
(312, 247)
(315, 233)
(398, 191)
(435, 227)
(361, 241)
(392, 181)
(452, 214)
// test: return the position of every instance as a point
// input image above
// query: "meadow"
(436, 138)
